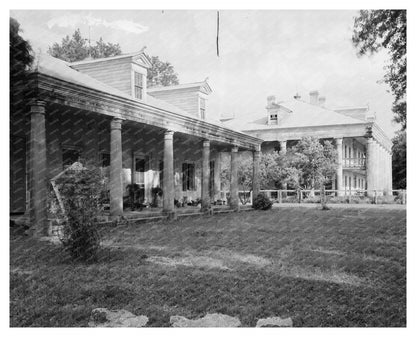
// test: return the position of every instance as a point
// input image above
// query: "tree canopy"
(161, 74)
(399, 160)
(376, 29)
(20, 54)
(76, 48)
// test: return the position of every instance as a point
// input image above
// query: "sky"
(262, 53)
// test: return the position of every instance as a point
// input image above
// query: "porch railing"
(338, 196)
(358, 163)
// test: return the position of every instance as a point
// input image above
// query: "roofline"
(180, 86)
(103, 59)
(246, 140)
(350, 108)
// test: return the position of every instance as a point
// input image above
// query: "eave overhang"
(53, 90)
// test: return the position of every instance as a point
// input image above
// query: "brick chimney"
(322, 101)
(271, 110)
(314, 97)
(270, 101)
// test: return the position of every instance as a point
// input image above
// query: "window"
(202, 107)
(188, 177)
(69, 156)
(138, 85)
(140, 168)
(105, 159)
(211, 177)
(161, 174)
(273, 117)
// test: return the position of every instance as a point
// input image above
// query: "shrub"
(81, 189)
(262, 202)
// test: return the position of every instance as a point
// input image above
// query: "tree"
(76, 48)
(310, 164)
(399, 160)
(161, 74)
(376, 29)
(20, 56)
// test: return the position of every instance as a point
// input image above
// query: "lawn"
(343, 267)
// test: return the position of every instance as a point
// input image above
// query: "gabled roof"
(62, 70)
(51, 66)
(200, 86)
(300, 114)
(140, 57)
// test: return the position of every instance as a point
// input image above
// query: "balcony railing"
(357, 163)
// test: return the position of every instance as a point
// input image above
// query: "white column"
(370, 160)
(338, 144)
(234, 204)
(283, 149)
(38, 169)
(168, 176)
(116, 165)
(205, 199)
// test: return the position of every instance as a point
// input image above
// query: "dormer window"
(202, 107)
(138, 85)
(273, 117)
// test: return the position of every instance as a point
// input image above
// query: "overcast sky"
(262, 53)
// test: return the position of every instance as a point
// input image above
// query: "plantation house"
(102, 110)
(364, 150)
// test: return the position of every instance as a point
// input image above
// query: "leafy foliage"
(20, 54)
(76, 48)
(310, 164)
(82, 192)
(161, 74)
(399, 160)
(21, 59)
(376, 29)
(262, 202)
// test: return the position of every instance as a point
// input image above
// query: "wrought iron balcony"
(355, 163)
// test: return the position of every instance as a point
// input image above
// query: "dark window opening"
(202, 107)
(69, 156)
(211, 178)
(105, 159)
(138, 85)
(161, 174)
(188, 177)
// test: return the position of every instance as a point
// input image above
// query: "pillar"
(390, 174)
(168, 179)
(338, 144)
(116, 165)
(38, 169)
(234, 204)
(205, 199)
(217, 176)
(256, 173)
(283, 149)
(370, 161)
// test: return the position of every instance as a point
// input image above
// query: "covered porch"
(143, 145)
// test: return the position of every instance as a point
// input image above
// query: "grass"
(343, 267)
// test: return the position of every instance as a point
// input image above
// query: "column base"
(171, 215)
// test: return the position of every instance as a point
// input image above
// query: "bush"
(262, 202)
(81, 190)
